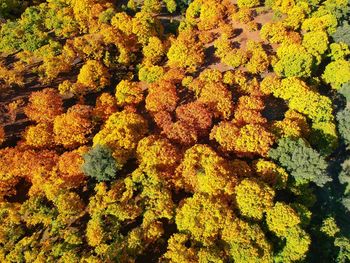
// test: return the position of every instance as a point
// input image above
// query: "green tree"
(343, 118)
(304, 163)
(100, 164)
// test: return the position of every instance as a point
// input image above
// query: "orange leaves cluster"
(72, 128)
(44, 106)
(162, 96)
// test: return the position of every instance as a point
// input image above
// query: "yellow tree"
(122, 132)
(204, 171)
(186, 51)
(72, 128)
(203, 217)
(93, 76)
(128, 93)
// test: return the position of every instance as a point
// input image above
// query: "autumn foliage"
(174, 131)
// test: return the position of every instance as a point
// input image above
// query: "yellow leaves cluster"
(251, 139)
(203, 170)
(271, 173)
(254, 198)
(121, 132)
(294, 124)
(153, 51)
(285, 223)
(39, 136)
(128, 93)
(186, 51)
(94, 76)
(203, 217)
(280, 218)
(158, 153)
(247, 242)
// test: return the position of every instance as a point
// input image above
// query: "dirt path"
(242, 38)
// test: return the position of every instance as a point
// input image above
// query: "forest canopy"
(174, 131)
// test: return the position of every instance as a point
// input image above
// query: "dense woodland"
(174, 131)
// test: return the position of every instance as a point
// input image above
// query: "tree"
(343, 118)
(320, 21)
(285, 223)
(69, 206)
(153, 51)
(316, 42)
(196, 115)
(280, 218)
(128, 93)
(339, 51)
(100, 164)
(253, 198)
(94, 76)
(105, 106)
(11, 76)
(72, 128)
(122, 132)
(186, 51)
(297, 14)
(344, 178)
(211, 14)
(274, 32)
(157, 153)
(177, 251)
(203, 217)
(293, 125)
(69, 167)
(301, 161)
(342, 33)
(44, 106)
(221, 103)
(171, 5)
(271, 173)
(230, 56)
(247, 242)
(152, 6)
(204, 171)
(162, 96)
(144, 26)
(318, 108)
(294, 61)
(258, 59)
(39, 136)
(150, 73)
(249, 140)
(337, 73)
